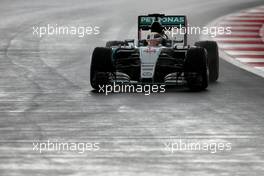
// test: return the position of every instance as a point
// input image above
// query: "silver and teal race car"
(159, 56)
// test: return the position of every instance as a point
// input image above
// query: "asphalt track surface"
(45, 94)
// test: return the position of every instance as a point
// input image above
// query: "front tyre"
(213, 58)
(196, 69)
(101, 67)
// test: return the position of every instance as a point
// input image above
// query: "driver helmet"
(156, 27)
(154, 39)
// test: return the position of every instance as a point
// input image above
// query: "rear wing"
(167, 21)
(145, 22)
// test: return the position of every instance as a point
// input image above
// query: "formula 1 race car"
(161, 56)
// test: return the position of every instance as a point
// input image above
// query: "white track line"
(250, 60)
(260, 68)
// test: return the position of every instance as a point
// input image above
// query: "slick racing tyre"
(110, 44)
(101, 67)
(213, 58)
(196, 69)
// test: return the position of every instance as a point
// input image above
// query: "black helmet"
(156, 27)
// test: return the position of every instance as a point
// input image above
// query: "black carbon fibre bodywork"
(170, 61)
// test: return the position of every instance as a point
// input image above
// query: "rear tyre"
(213, 58)
(196, 69)
(101, 67)
(117, 43)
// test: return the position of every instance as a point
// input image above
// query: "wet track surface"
(45, 94)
